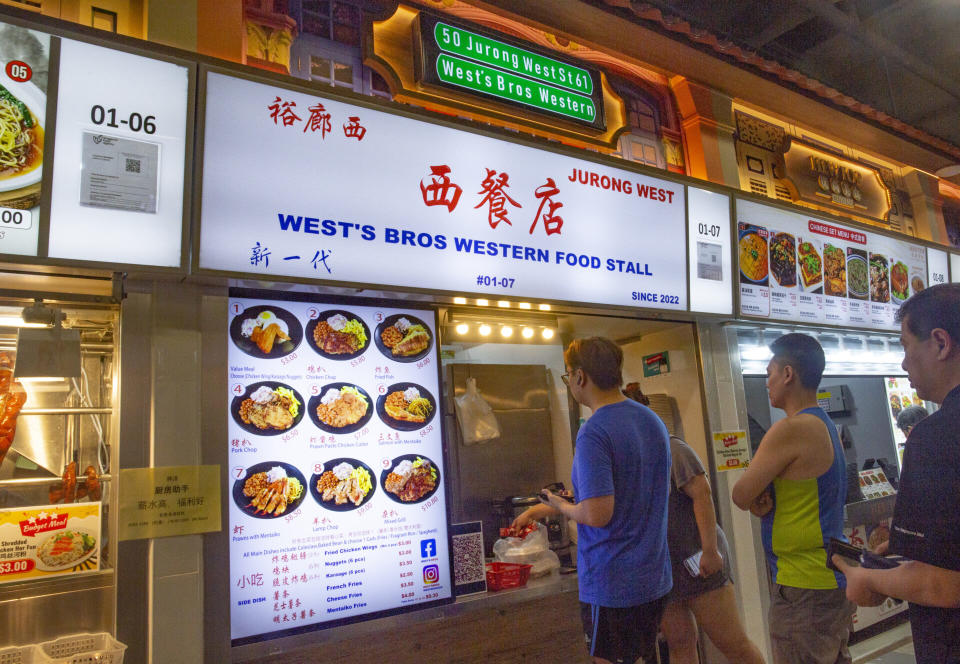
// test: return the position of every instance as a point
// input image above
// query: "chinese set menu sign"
(336, 496)
(52, 540)
(346, 193)
(795, 268)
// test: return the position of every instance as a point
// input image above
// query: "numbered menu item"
(338, 508)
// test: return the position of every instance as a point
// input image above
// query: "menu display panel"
(23, 103)
(795, 268)
(357, 195)
(708, 228)
(955, 268)
(337, 501)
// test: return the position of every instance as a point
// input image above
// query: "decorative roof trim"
(707, 39)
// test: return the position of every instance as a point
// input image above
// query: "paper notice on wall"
(731, 450)
(119, 173)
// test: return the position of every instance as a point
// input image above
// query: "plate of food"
(406, 407)
(895, 405)
(269, 490)
(266, 332)
(783, 260)
(411, 478)
(338, 335)
(899, 281)
(917, 283)
(858, 279)
(267, 408)
(811, 266)
(340, 408)
(403, 338)
(834, 271)
(754, 264)
(343, 484)
(22, 119)
(65, 549)
(879, 279)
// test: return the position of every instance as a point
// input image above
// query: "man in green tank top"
(797, 484)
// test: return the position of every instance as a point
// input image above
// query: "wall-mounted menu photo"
(337, 462)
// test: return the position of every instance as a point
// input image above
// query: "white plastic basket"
(98, 648)
(20, 655)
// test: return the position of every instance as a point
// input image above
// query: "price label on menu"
(337, 502)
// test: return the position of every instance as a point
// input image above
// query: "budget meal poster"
(337, 504)
(309, 187)
(795, 268)
(24, 67)
(51, 540)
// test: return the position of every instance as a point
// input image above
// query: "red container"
(507, 575)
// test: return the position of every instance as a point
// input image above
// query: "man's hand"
(858, 583)
(762, 504)
(523, 520)
(711, 562)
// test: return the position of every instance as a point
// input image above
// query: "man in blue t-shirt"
(621, 480)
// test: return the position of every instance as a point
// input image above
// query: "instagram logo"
(431, 574)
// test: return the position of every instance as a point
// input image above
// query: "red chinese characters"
(282, 111)
(495, 198)
(438, 189)
(354, 129)
(552, 223)
(319, 120)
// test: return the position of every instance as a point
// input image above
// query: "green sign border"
(571, 72)
(513, 80)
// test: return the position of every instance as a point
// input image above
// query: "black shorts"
(623, 634)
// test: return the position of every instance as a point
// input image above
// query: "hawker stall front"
(842, 283)
(91, 187)
(372, 278)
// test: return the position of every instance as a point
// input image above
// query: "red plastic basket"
(507, 575)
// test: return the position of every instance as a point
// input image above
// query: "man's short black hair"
(804, 354)
(599, 357)
(911, 416)
(937, 306)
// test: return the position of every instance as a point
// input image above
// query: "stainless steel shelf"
(37, 481)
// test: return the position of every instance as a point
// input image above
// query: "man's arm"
(532, 514)
(777, 450)
(595, 512)
(698, 489)
(912, 581)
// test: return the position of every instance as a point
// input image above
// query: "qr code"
(468, 564)
(133, 165)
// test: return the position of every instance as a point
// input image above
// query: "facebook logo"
(428, 548)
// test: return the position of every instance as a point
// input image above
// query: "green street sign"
(516, 60)
(499, 83)
(452, 55)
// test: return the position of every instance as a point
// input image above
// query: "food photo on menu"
(899, 281)
(783, 259)
(340, 408)
(267, 408)
(411, 478)
(858, 275)
(343, 484)
(754, 265)
(269, 489)
(266, 332)
(406, 406)
(403, 338)
(834, 271)
(811, 265)
(338, 335)
(879, 278)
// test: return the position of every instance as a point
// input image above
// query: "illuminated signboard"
(796, 268)
(337, 500)
(463, 58)
(360, 196)
(116, 142)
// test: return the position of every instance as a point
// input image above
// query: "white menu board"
(900, 395)
(955, 268)
(795, 268)
(119, 157)
(305, 186)
(337, 501)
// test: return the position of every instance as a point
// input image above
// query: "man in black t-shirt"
(926, 519)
